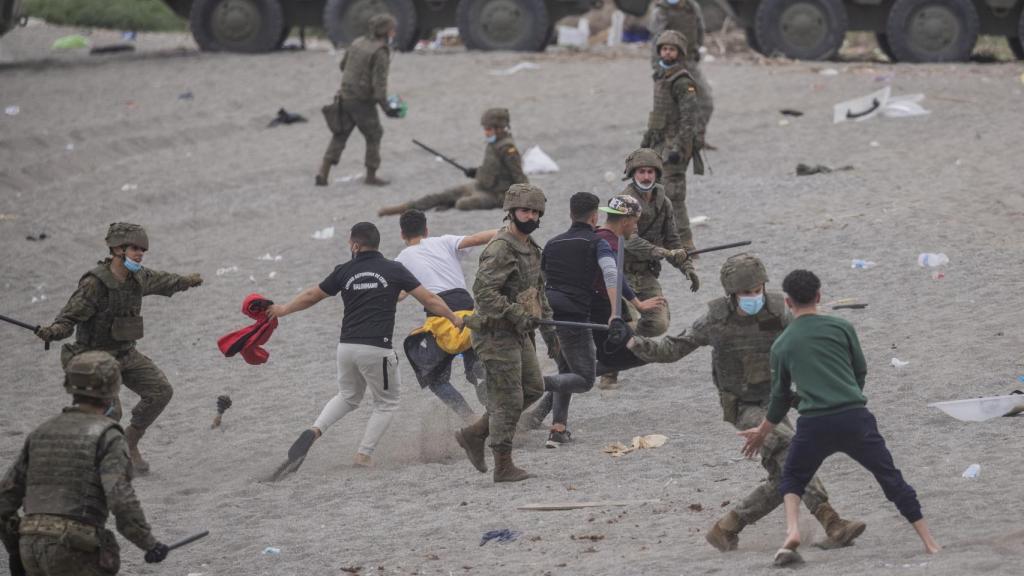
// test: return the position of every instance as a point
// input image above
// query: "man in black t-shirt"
(369, 285)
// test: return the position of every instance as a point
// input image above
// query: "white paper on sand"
(981, 409)
(574, 35)
(880, 102)
(324, 234)
(535, 161)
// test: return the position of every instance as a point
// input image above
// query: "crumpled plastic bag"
(617, 449)
(535, 161)
(70, 42)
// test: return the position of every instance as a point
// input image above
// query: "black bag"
(332, 114)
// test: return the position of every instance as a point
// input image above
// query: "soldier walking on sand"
(105, 313)
(509, 292)
(74, 471)
(364, 86)
(674, 129)
(685, 17)
(740, 327)
(502, 167)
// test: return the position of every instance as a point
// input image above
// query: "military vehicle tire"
(1016, 46)
(752, 40)
(345, 20)
(801, 29)
(932, 30)
(285, 32)
(519, 25)
(236, 25)
(883, 45)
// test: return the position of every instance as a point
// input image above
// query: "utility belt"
(76, 535)
(731, 405)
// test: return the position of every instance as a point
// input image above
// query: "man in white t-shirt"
(437, 263)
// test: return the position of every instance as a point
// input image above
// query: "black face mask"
(526, 227)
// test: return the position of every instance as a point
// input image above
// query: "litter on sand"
(503, 535)
(271, 551)
(972, 471)
(514, 69)
(897, 363)
(981, 409)
(324, 234)
(270, 258)
(791, 112)
(807, 170)
(616, 449)
(535, 161)
(70, 42)
(577, 505)
(879, 102)
(931, 260)
(699, 221)
(227, 270)
(576, 36)
(286, 117)
(858, 264)
(349, 178)
(12, 110)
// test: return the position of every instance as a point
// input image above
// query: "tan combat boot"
(840, 532)
(504, 469)
(472, 439)
(373, 180)
(394, 209)
(724, 535)
(609, 381)
(133, 435)
(323, 174)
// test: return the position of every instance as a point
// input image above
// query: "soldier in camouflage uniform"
(741, 327)
(72, 472)
(364, 86)
(509, 293)
(105, 314)
(687, 18)
(674, 129)
(501, 168)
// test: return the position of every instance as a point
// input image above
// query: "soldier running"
(502, 166)
(741, 327)
(74, 471)
(364, 86)
(674, 129)
(687, 18)
(105, 314)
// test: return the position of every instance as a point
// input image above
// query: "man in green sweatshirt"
(821, 356)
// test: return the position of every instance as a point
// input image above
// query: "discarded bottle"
(271, 551)
(858, 264)
(930, 260)
(972, 471)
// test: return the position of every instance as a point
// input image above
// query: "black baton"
(188, 540)
(34, 329)
(721, 247)
(570, 324)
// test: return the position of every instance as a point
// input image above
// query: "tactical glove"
(677, 257)
(551, 341)
(470, 172)
(193, 280)
(47, 333)
(659, 252)
(157, 553)
(691, 274)
(619, 334)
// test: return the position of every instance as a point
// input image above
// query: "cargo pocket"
(80, 537)
(110, 553)
(126, 328)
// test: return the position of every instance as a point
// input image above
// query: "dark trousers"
(854, 433)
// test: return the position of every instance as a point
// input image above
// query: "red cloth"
(250, 340)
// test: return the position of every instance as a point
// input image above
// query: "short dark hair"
(366, 235)
(582, 205)
(801, 286)
(413, 223)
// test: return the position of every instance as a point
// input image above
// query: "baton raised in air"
(34, 329)
(720, 247)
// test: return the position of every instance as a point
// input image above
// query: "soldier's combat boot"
(323, 174)
(609, 381)
(133, 435)
(725, 534)
(840, 532)
(373, 180)
(504, 469)
(472, 439)
(394, 209)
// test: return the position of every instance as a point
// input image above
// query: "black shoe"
(556, 438)
(301, 446)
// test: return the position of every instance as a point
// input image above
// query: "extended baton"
(569, 324)
(34, 329)
(188, 540)
(438, 154)
(720, 247)
(620, 278)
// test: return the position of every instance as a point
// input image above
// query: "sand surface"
(101, 139)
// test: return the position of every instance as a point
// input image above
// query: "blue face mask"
(491, 139)
(132, 265)
(672, 2)
(752, 304)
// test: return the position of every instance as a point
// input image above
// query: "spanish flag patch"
(512, 151)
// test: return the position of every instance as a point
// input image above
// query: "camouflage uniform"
(675, 130)
(72, 472)
(740, 370)
(509, 294)
(687, 18)
(364, 86)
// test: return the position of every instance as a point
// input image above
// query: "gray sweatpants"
(361, 366)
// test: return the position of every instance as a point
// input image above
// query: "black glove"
(470, 172)
(674, 157)
(619, 334)
(157, 553)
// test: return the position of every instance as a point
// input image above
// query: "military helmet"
(623, 205)
(95, 374)
(642, 157)
(672, 38)
(743, 272)
(495, 118)
(381, 24)
(123, 233)
(524, 196)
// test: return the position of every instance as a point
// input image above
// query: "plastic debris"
(12, 110)
(972, 471)
(874, 144)
(286, 117)
(699, 221)
(129, 187)
(828, 72)
(503, 535)
(70, 146)
(70, 42)
(350, 177)
(577, 36)
(808, 170)
(272, 275)
(324, 234)
(858, 264)
(271, 551)
(981, 409)
(270, 258)
(905, 106)
(514, 69)
(897, 363)
(930, 260)
(40, 298)
(783, 122)
(879, 102)
(616, 28)
(228, 270)
(617, 449)
(535, 161)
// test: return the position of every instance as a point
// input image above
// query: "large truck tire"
(346, 20)
(1017, 44)
(801, 29)
(752, 40)
(883, 44)
(237, 25)
(932, 30)
(519, 25)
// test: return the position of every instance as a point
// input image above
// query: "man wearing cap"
(509, 293)
(105, 313)
(502, 167)
(674, 129)
(71, 474)
(687, 18)
(364, 86)
(740, 327)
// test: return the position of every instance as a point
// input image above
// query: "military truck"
(10, 15)
(263, 25)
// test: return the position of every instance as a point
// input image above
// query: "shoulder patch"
(691, 88)
(511, 151)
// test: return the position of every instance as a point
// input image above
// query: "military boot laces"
(724, 535)
(840, 532)
(505, 470)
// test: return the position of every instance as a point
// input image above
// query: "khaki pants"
(140, 375)
(514, 381)
(465, 197)
(48, 556)
(362, 115)
(674, 181)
